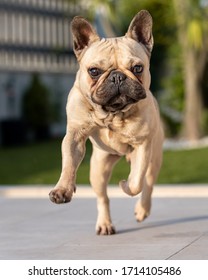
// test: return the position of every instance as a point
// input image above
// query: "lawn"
(41, 164)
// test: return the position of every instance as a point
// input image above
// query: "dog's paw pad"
(60, 195)
(105, 230)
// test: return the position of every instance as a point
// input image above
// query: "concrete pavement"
(31, 227)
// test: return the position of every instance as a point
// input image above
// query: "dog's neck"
(106, 119)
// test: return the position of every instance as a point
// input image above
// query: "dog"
(111, 104)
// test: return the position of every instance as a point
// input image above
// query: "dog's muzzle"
(118, 91)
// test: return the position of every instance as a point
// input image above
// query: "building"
(35, 38)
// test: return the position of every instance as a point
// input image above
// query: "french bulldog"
(111, 104)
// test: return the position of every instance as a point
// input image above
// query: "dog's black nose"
(117, 77)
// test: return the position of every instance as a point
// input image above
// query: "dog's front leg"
(139, 158)
(73, 151)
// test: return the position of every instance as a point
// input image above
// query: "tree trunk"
(192, 121)
(193, 61)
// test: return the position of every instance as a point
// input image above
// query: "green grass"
(41, 164)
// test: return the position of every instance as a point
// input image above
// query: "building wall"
(35, 38)
(35, 35)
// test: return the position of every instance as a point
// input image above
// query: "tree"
(37, 109)
(191, 19)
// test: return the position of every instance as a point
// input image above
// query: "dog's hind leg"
(101, 166)
(143, 206)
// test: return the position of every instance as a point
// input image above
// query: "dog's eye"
(94, 72)
(138, 69)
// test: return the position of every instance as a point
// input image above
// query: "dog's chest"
(117, 135)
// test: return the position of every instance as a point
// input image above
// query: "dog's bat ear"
(140, 29)
(83, 34)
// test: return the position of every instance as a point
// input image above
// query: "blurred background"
(38, 67)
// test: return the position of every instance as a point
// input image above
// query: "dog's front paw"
(129, 188)
(105, 229)
(61, 195)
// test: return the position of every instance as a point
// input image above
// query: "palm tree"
(192, 30)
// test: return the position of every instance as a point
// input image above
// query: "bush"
(37, 109)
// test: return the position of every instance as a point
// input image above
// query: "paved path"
(31, 227)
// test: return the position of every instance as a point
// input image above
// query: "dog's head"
(114, 72)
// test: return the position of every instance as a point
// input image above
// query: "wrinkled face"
(114, 73)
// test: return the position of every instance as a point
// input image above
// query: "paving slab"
(31, 227)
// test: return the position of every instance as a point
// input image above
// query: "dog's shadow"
(164, 223)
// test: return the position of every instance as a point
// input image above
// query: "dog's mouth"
(118, 104)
